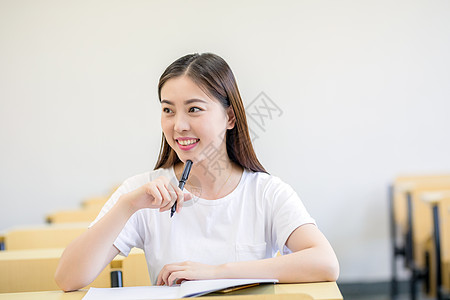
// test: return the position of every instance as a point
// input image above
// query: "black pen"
(184, 178)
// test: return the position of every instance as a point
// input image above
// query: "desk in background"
(42, 236)
(34, 269)
(73, 216)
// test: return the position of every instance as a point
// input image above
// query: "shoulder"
(264, 181)
(267, 188)
(273, 191)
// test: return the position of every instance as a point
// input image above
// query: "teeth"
(187, 142)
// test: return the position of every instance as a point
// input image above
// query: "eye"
(167, 110)
(194, 109)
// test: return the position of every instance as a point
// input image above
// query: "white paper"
(201, 287)
(186, 289)
(135, 292)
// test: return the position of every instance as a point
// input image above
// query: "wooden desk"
(72, 216)
(298, 291)
(94, 202)
(59, 235)
(33, 270)
(43, 236)
(318, 291)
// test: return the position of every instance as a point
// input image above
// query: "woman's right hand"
(160, 193)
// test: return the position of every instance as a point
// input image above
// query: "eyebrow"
(185, 102)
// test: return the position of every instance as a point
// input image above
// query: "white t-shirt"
(252, 222)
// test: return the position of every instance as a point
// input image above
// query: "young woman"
(232, 225)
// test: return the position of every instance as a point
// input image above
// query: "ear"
(231, 118)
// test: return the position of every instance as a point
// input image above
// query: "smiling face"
(193, 122)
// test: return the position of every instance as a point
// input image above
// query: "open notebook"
(192, 288)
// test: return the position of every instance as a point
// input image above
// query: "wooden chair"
(2, 241)
(440, 268)
(444, 210)
(408, 233)
(133, 268)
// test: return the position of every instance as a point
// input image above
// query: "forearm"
(308, 265)
(88, 255)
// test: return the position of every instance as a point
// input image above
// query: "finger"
(161, 276)
(166, 198)
(170, 204)
(173, 191)
(176, 276)
(177, 192)
(179, 281)
(173, 196)
(168, 270)
(186, 197)
(170, 185)
(180, 198)
(180, 202)
(172, 188)
(159, 280)
(153, 191)
(175, 188)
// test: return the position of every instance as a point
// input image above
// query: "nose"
(181, 123)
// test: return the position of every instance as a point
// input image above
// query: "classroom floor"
(381, 297)
(375, 291)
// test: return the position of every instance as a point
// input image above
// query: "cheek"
(166, 128)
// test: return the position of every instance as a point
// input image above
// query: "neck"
(211, 180)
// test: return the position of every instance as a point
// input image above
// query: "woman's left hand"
(188, 270)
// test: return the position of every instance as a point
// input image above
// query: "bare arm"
(84, 259)
(88, 255)
(312, 260)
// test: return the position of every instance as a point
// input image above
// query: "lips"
(187, 143)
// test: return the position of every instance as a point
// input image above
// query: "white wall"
(363, 86)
